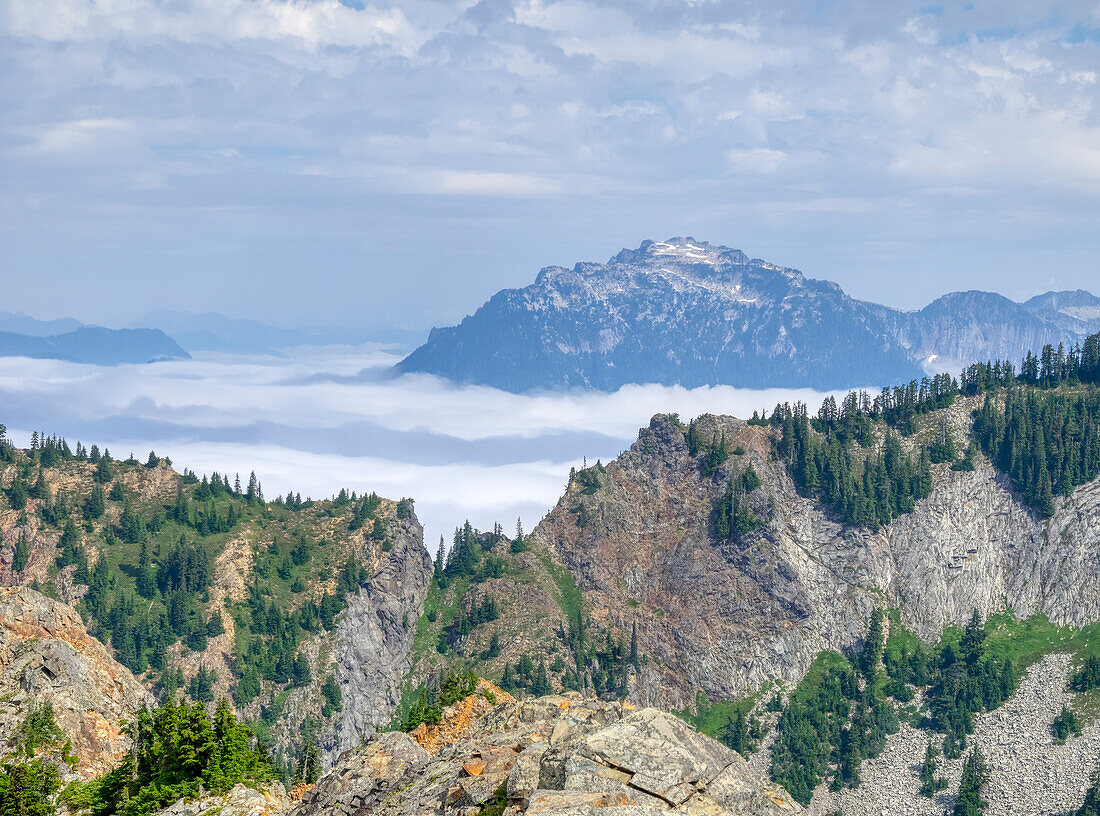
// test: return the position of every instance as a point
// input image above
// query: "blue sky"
(310, 160)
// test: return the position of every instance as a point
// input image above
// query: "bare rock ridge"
(687, 312)
(560, 754)
(373, 641)
(727, 617)
(47, 656)
(369, 650)
(240, 800)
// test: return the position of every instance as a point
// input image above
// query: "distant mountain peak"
(688, 312)
(681, 251)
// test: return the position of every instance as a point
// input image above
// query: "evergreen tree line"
(962, 679)
(1091, 805)
(1051, 368)
(30, 774)
(1087, 677)
(176, 749)
(841, 715)
(141, 633)
(275, 636)
(27, 788)
(716, 451)
(470, 556)
(898, 406)
(466, 618)
(365, 509)
(871, 492)
(437, 695)
(1047, 443)
(825, 733)
(975, 776)
(601, 664)
(527, 675)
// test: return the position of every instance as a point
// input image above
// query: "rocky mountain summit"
(554, 755)
(687, 312)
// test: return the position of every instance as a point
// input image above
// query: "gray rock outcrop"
(727, 617)
(373, 641)
(551, 756)
(240, 800)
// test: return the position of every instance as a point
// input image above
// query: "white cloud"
(307, 424)
(494, 184)
(755, 160)
(311, 23)
(922, 30)
(312, 121)
(79, 135)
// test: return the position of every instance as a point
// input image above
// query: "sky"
(316, 420)
(368, 163)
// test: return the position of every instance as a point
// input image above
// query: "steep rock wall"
(726, 617)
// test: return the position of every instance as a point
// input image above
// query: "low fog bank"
(322, 419)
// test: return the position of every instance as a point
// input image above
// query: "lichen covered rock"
(559, 755)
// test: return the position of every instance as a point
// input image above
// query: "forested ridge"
(1039, 425)
(137, 547)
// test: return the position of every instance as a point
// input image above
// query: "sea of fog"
(316, 420)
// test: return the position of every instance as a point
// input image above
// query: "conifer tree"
(930, 784)
(975, 775)
(22, 553)
(871, 655)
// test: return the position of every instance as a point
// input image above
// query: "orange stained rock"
(474, 766)
(298, 791)
(458, 719)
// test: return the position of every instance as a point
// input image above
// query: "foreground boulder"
(240, 800)
(550, 756)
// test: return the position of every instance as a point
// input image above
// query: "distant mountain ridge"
(171, 335)
(211, 331)
(94, 345)
(690, 313)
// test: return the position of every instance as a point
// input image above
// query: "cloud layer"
(319, 421)
(407, 158)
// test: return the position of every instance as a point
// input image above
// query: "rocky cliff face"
(47, 656)
(550, 755)
(727, 617)
(367, 653)
(373, 642)
(686, 312)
